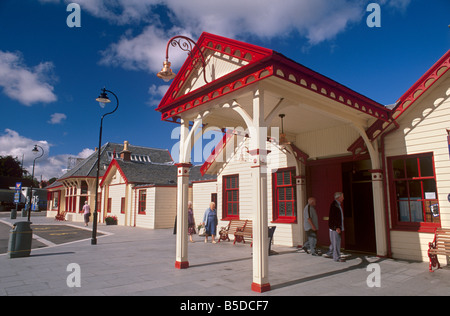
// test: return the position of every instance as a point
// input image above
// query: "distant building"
(137, 185)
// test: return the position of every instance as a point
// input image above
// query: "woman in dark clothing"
(191, 222)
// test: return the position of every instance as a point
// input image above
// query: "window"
(71, 199)
(284, 196)
(55, 200)
(109, 205)
(122, 205)
(230, 197)
(414, 198)
(142, 201)
(84, 187)
(83, 195)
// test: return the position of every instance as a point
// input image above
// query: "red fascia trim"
(409, 95)
(216, 43)
(217, 150)
(113, 163)
(325, 86)
(236, 80)
(443, 61)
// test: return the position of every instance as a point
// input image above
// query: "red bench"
(244, 232)
(61, 216)
(439, 246)
(231, 228)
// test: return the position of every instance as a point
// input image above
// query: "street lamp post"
(102, 100)
(30, 195)
(186, 44)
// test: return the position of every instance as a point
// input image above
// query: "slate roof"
(88, 167)
(160, 171)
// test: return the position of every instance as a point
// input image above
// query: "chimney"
(125, 154)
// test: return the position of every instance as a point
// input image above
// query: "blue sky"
(50, 74)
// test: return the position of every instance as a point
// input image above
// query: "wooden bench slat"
(439, 246)
(231, 228)
(242, 232)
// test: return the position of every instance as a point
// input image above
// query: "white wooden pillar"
(300, 182)
(378, 204)
(378, 196)
(183, 168)
(258, 150)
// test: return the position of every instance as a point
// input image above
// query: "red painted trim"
(207, 41)
(225, 201)
(266, 63)
(421, 227)
(432, 73)
(307, 78)
(257, 152)
(275, 205)
(181, 265)
(215, 153)
(260, 288)
(183, 165)
(407, 100)
(115, 164)
(299, 154)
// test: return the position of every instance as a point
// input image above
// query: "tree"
(10, 167)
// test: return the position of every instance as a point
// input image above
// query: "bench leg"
(434, 262)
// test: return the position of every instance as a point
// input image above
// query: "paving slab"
(129, 261)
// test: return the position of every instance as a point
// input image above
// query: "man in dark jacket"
(336, 226)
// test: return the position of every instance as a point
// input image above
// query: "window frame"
(122, 205)
(419, 178)
(225, 202)
(275, 196)
(142, 202)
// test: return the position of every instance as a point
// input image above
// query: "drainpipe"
(386, 203)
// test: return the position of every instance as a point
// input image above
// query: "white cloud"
(156, 93)
(24, 84)
(145, 51)
(85, 153)
(57, 118)
(15, 145)
(316, 21)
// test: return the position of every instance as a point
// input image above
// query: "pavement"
(129, 261)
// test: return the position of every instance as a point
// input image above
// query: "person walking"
(87, 213)
(191, 222)
(311, 226)
(210, 221)
(336, 226)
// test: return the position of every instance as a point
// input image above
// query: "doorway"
(359, 213)
(353, 178)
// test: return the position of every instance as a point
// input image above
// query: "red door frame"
(324, 178)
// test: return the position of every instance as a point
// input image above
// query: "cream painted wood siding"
(330, 142)
(201, 199)
(240, 163)
(423, 129)
(160, 211)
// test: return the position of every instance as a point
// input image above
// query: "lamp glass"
(103, 99)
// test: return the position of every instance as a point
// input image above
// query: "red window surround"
(284, 196)
(122, 205)
(413, 193)
(230, 197)
(142, 201)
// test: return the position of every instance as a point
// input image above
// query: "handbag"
(202, 231)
